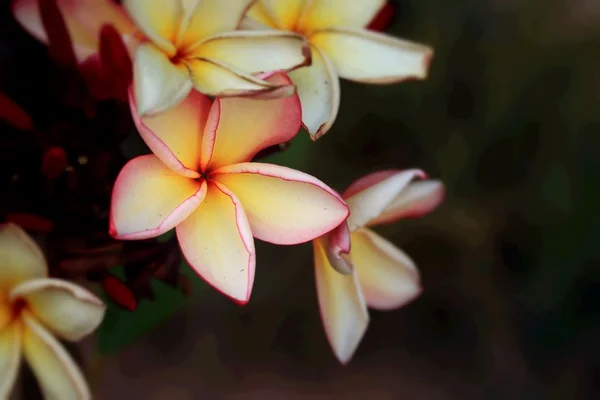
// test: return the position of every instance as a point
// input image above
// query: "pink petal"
(284, 206)
(419, 198)
(371, 201)
(149, 199)
(57, 374)
(387, 276)
(338, 249)
(239, 127)
(217, 242)
(21, 258)
(175, 135)
(342, 305)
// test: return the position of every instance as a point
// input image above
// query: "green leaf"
(121, 328)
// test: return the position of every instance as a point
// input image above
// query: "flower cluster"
(214, 82)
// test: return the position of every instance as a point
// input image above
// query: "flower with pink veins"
(340, 47)
(355, 268)
(200, 181)
(194, 44)
(84, 20)
(33, 310)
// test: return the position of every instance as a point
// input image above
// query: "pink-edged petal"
(149, 199)
(20, 257)
(158, 83)
(337, 248)
(371, 57)
(339, 13)
(158, 20)
(68, 310)
(370, 202)
(217, 79)
(418, 199)
(257, 51)
(368, 180)
(175, 135)
(58, 375)
(387, 276)
(240, 127)
(83, 18)
(10, 357)
(217, 242)
(206, 18)
(319, 90)
(284, 206)
(342, 306)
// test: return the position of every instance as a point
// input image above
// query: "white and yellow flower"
(355, 268)
(33, 310)
(194, 44)
(340, 47)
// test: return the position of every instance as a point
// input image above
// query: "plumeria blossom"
(84, 20)
(356, 268)
(200, 181)
(340, 47)
(33, 310)
(194, 44)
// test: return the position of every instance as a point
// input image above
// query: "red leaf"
(384, 18)
(31, 222)
(12, 113)
(93, 76)
(60, 45)
(116, 64)
(54, 162)
(119, 292)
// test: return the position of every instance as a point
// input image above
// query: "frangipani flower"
(199, 180)
(340, 47)
(84, 20)
(193, 43)
(33, 310)
(374, 272)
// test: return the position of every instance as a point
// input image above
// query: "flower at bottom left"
(35, 310)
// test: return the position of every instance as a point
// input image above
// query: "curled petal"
(176, 134)
(149, 199)
(342, 305)
(206, 18)
(10, 357)
(20, 257)
(337, 248)
(257, 51)
(58, 375)
(387, 276)
(68, 310)
(339, 13)
(371, 57)
(418, 199)
(220, 80)
(370, 202)
(217, 242)
(284, 206)
(240, 127)
(158, 19)
(158, 83)
(319, 90)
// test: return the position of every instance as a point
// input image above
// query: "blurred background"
(508, 119)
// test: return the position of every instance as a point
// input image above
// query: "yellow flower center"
(9, 311)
